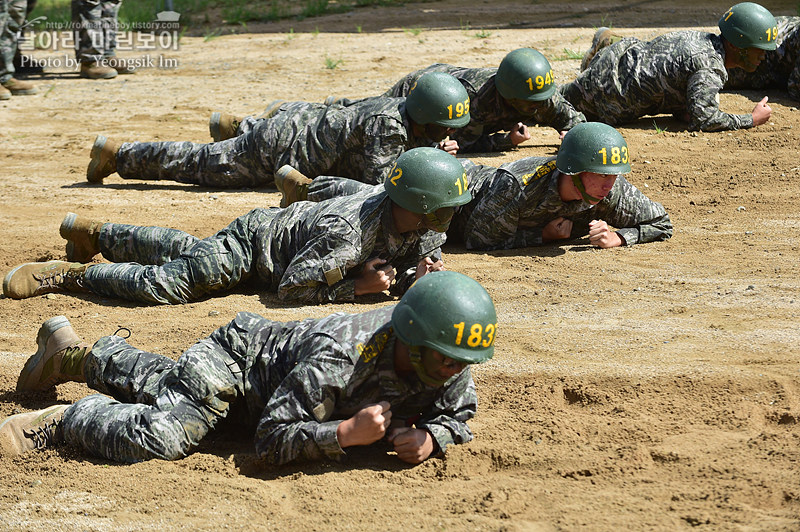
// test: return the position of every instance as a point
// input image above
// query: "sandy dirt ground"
(647, 388)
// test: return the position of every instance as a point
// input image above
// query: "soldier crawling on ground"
(378, 240)
(537, 200)
(780, 68)
(308, 389)
(503, 100)
(680, 73)
(361, 141)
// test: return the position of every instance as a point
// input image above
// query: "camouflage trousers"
(12, 17)
(241, 162)
(161, 408)
(327, 186)
(167, 266)
(96, 36)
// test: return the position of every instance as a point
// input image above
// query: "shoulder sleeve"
(558, 113)
(385, 138)
(702, 96)
(494, 221)
(316, 273)
(296, 422)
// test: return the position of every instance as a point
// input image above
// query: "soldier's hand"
(427, 265)
(561, 135)
(367, 426)
(376, 276)
(411, 445)
(557, 229)
(450, 146)
(761, 112)
(603, 237)
(519, 134)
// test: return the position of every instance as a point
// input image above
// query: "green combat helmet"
(525, 74)
(592, 147)
(438, 98)
(749, 25)
(428, 181)
(447, 312)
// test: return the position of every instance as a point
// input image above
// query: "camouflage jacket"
(780, 68)
(511, 204)
(307, 376)
(676, 73)
(490, 113)
(360, 141)
(313, 252)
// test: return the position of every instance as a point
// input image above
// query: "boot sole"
(66, 225)
(47, 329)
(97, 149)
(75, 252)
(213, 126)
(109, 75)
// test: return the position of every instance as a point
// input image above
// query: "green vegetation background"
(196, 14)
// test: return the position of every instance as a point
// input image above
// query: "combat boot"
(602, 37)
(20, 88)
(95, 70)
(5, 94)
(82, 236)
(223, 126)
(292, 185)
(122, 66)
(32, 430)
(37, 278)
(59, 358)
(103, 159)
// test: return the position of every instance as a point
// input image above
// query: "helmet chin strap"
(578, 182)
(415, 354)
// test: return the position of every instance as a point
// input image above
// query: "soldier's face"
(440, 367)
(598, 185)
(524, 107)
(438, 220)
(751, 58)
(436, 132)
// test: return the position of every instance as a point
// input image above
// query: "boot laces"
(60, 279)
(44, 436)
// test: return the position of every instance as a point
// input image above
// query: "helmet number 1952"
(396, 174)
(462, 108)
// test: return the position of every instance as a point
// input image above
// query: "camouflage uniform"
(360, 141)
(679, 72)
(307, 252)
(489, 112)
(511, 205)
(96, 38)
(780, 68)
(12, 17)
(292, 383)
